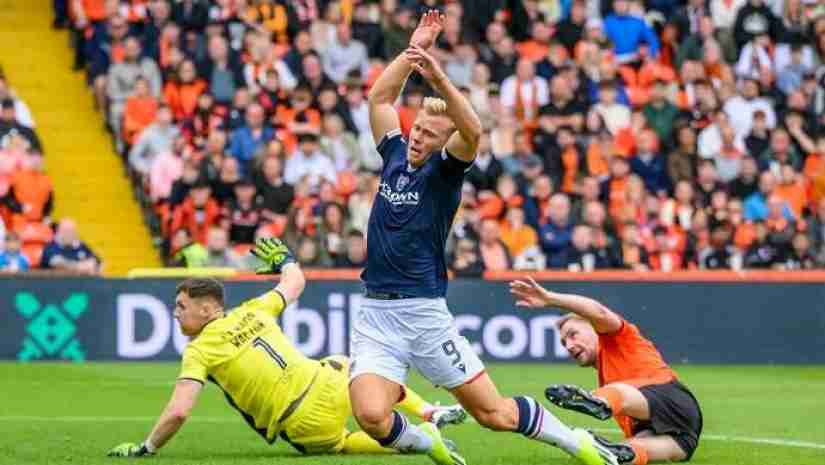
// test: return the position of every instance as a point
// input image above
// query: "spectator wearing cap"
(11, 259)
(9, 126)
(309, 161)
(344, 55)
(248, 139)
(523, 93)
(156, 138)
(243, 212)
(681, 162)
(222, 70)
(68, 252)
(628, 33)
(22, 114)
(556, 235)
(754, 19)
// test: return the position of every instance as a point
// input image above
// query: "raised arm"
(278, 259)
(388, 86)
(463, 143)
(530, 294)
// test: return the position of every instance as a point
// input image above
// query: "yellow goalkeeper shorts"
(319, 425)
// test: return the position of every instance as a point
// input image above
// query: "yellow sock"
(360, 442)
(414, 405)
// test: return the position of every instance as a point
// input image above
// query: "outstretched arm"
(530, 294)
(175, 414)
(278, 259)
(464, 142)
(388, 86)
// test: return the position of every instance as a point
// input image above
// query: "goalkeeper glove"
(273, 253)
(130, 449)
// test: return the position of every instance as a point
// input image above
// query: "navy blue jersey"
(410, 220)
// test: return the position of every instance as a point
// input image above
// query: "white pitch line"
(78, 419)
(745, 439)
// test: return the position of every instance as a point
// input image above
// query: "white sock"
(406, 437)
(536, 422)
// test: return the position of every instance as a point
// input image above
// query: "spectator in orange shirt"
(31, 191)
(140, 111)
(516, 234)
(792, 189)
(181, 93)
(659, 416)
(538, 46)
(197, 213)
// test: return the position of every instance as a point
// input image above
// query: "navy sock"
(528, 415)
(399, 423)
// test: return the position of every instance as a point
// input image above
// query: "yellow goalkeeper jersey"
(246, 354)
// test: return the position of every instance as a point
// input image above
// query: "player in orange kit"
(658, 414)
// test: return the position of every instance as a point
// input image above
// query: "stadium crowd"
(657, 135)
(29, 236)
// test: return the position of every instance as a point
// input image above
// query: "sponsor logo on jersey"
(398, 198)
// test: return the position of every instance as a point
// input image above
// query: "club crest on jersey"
(402, 182)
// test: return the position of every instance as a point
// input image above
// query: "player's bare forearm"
(602, 318)
(387, 88)
(382, 97)
(292, 282)
(466, 121)
(176, 413)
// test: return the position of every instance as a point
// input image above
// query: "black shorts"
(673, 412)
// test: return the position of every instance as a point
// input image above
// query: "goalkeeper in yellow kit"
(277, 390)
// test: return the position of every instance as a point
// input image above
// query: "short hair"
(566, 318)
(197, 288)
(434, 106)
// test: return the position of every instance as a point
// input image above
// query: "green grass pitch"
(72, 414)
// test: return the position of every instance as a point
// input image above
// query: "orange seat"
(34, 252)
(34, 232)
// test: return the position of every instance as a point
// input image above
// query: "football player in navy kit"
(403, 321)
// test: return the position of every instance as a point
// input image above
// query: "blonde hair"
(569, 317)
(434, 106)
